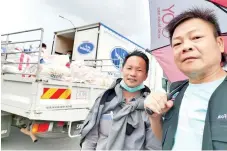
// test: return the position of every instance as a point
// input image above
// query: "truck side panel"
(48, 100)
(85, 44)
(115, 47)
(18, 94)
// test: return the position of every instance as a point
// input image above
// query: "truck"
(96, 42)
(107, 48)
(22, 101)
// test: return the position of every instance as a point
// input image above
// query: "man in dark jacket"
(117, 120)
(196, 118)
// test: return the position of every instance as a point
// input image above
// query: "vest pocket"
(105, 124)
(219, 136)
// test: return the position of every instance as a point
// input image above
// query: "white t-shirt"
(189, 134)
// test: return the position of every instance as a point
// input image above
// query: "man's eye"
(129, 68)
(196, 37)
(176, 44)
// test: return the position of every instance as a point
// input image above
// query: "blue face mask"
(129, 89)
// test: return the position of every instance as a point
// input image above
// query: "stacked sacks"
(54, 67)
(20, 61)
(89, 75)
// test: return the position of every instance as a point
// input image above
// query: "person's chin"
(191, 72)
(191, 68)
(131, 85)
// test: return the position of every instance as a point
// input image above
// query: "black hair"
(203, 14)
(199, 13)
(138, 54)
(44, 45)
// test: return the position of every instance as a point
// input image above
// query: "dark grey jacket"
(215, 130)
(129, 128)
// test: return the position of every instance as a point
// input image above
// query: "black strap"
(171, 94)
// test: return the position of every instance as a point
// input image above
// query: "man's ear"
(221, 45)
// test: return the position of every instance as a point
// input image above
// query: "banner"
(161, 13)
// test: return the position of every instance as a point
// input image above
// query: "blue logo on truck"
(118, 55)
(85, 47)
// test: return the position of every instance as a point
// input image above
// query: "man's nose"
(187, 46)
(133, 73)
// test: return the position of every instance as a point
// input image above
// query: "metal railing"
(106, 65)
(7, 43)
(111, 66)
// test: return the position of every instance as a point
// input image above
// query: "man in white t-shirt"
(197, 118)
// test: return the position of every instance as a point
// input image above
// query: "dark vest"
(215, 130)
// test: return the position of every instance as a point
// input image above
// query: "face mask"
(129, 89)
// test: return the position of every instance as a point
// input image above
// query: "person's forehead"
(192, 25)
(136, 61)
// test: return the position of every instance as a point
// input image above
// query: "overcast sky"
(129, 17)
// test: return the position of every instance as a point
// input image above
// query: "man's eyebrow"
(137, 67)
(178, 37)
